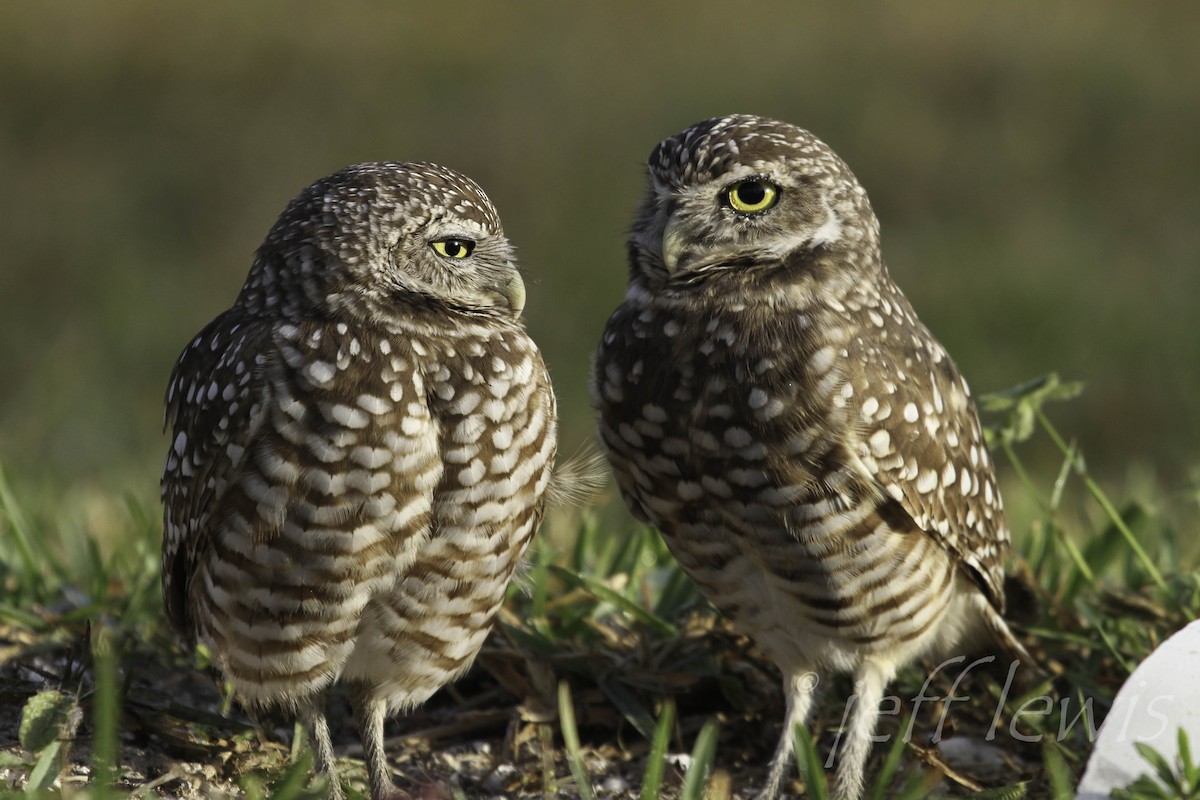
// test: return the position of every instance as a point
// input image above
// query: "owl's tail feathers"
(1030, 671)
(1008, 642)
(578, 481)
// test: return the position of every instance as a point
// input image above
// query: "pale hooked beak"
(673, 243)
(513, 293)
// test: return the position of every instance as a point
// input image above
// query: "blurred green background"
(1036, 168)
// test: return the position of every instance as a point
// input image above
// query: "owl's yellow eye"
(453, 248)
(752, 196)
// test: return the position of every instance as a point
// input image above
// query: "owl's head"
(743, 194)
(378, 239)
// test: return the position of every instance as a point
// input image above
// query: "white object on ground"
(1160, 697)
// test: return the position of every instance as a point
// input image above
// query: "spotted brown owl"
(360, 448)
(770, 402)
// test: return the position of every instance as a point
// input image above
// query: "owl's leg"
(314, 721)
(869, 682)
(799, 688)
(371, 710)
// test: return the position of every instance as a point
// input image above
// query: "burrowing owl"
(359, 452)
(769, 401)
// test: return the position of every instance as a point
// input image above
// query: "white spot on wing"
(822, 360)
(949, 475)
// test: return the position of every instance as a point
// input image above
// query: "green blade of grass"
(105, 704)
(1014, 792)
(293, 784)
(566, 716)
(20, 616)
(1160, 764)
(18, 525)
(657, 761)
(627, 556)
(538, 582)
(880, 788)
(1057, 771)
(1109, 643)
(1100, 497)
(45, 770)
(806, 753)
(630, 706)
(1064, 474)
(602, 592)
(1187, 768)
(1047, 509)
(703, 753)
(590, 548)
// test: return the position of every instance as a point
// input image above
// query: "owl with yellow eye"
(770, 402)
(360, 451)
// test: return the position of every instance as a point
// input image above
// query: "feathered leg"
(370, 711)
(317, 726)
(869, 683)
(799, 688)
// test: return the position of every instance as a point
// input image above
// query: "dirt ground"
(492, 735)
